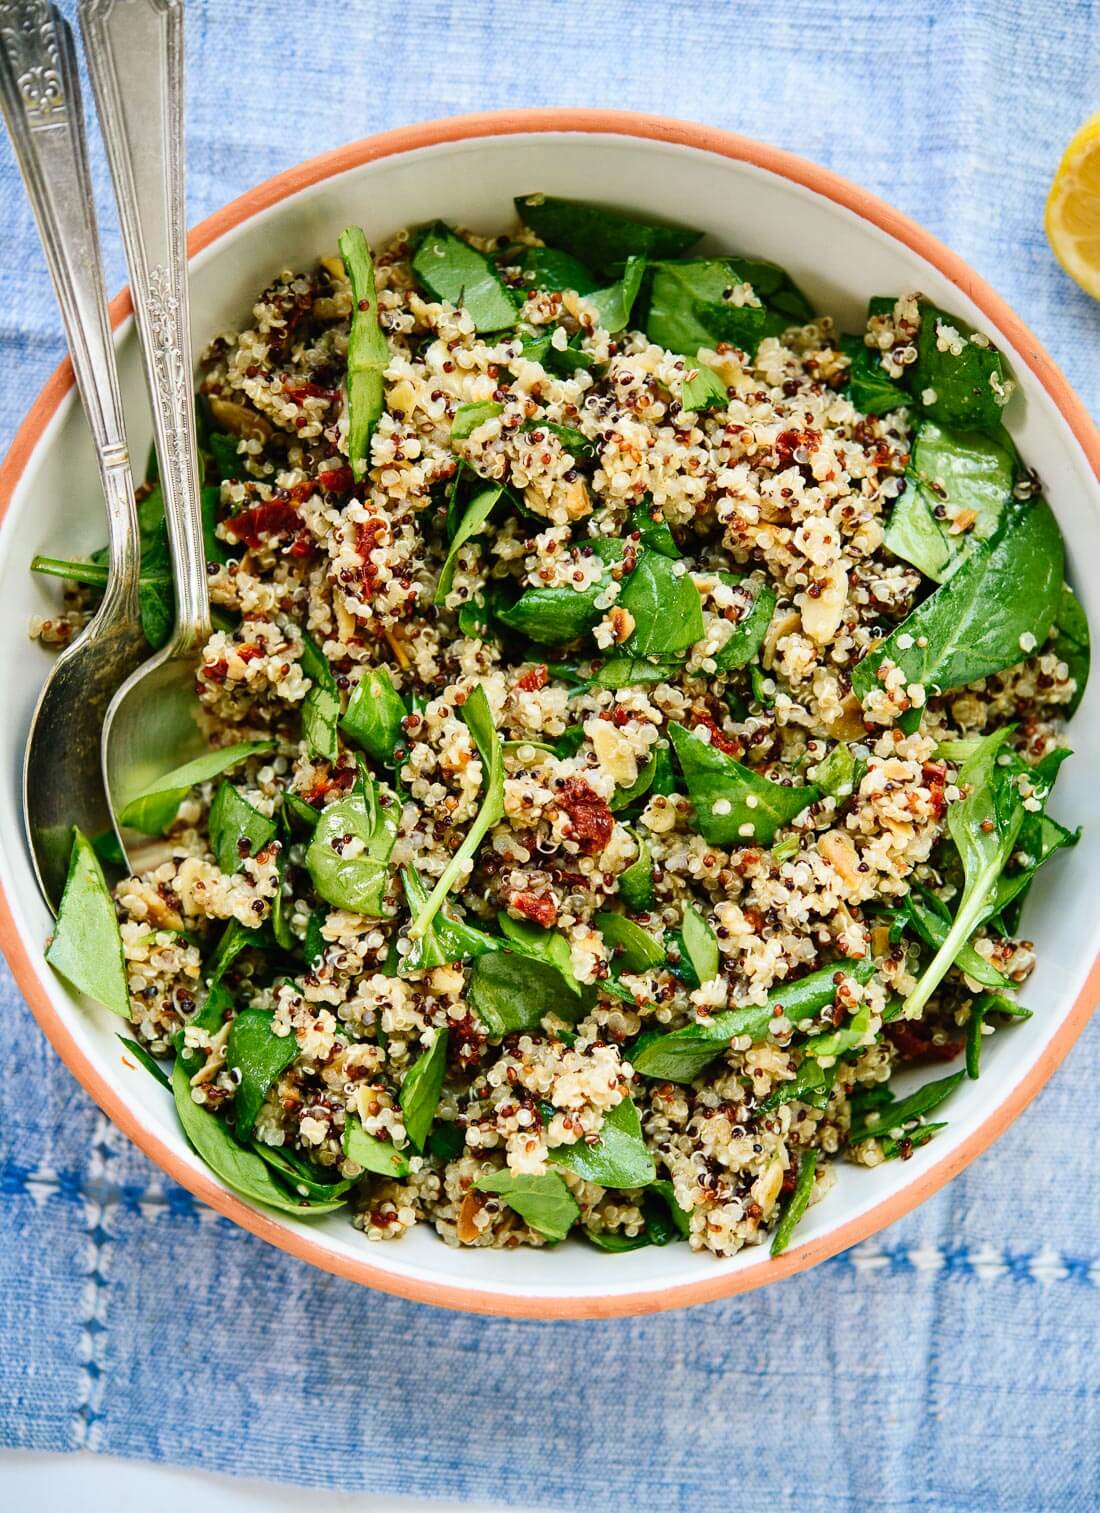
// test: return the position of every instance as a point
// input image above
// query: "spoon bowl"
(151, 726)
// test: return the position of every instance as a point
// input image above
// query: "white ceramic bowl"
(841, 245)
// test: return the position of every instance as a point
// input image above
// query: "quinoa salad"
(631, 709)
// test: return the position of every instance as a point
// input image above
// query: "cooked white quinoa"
(786, 484)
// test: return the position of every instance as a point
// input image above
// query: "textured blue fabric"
(949, 1364)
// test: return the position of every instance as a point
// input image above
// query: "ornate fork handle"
(40, 97)
(135, 59)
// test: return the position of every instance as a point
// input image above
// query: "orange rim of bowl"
(707, 1288)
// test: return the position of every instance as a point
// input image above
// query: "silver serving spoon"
(135, 58)
(62, 776)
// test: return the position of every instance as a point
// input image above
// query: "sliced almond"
(837, 849)
(622, 623)
(401, 397)
(239, 420)
(783, 624)
(821, 615)
(577, 502)
(465, 1228)
(848, 724)
(766, 1188)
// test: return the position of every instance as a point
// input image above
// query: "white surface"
(34, 1483)
(840, 260)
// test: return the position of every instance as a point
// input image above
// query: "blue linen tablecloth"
(951, 1363)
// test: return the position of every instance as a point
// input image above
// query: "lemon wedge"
(1073, 208)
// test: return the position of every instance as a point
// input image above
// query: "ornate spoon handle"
(40, 98)
(135, 59)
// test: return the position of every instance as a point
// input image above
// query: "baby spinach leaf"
(549, 268)
(636, 883)
(654, 530)
(472, 524)
(450, 269)
(280, 924)
(209, 1016)
(868, 387)
(372, 1154)
(300, 1176)
(931, 925)
(151, 1065)
(618, 1158)
(446, 1140)
(665, 605)
(479, 720)
(950, 470)
(421, 1087)
(549, 946)
(798, 1202)
(154, 809)
(258, 1057)
(295, 807)
(237, 829)
(574, 441)
(811, 1084)
(235, 939)
(86, 948)
(733, 804)
(702, 389)
(349, 853)
(957, 389)
(554, 616)
(374, 714)
(690, 309)
(679, 964)
(891, 1119)
(700, 943)
(783, 299)
(634, 949)
(681, 1217)
(542, 1202)
(1008, 588)
(848, 1037)
(510, 992)
(368, 350)
(747, 636)
(984, 826)
(614, 304)
(1071, 643)
(240, 1168)
(681, 1055)
(980, 1009)
(622, 798)
(313, 946)
(210, 498)
(602, 237)
(321, 705)
(467, 418)
(840, 773)
(631, 672)
(1040, 837)
(446, 939)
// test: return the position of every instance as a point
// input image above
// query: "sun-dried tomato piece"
(912, 1039)
(534, 678)
(590, 816)
(537, 906)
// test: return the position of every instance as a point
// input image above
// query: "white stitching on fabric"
(97, 1203)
